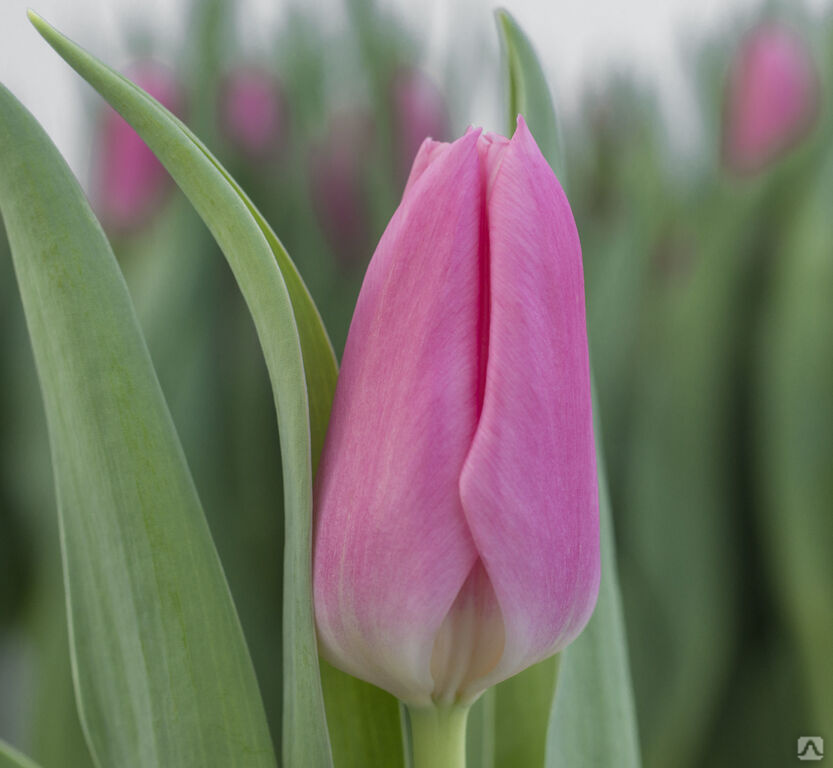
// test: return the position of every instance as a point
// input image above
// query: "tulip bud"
(338, 185)
(419, 112)
(130, 181)
(772, 98)
(456, 506)
(252, 111)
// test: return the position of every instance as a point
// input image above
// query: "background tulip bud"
(253, 111)
(772, 97)
(130, 181)
(338, 185)
(419, 112)
(456, 532)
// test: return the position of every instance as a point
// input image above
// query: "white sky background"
(576, 39)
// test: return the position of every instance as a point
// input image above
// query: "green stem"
(438, 735)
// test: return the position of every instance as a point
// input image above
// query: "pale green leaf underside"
(11, 758)
(593, 718)
(161, 669)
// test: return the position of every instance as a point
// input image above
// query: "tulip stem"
(438, 736)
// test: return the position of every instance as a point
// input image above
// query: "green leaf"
(364, 721)
(53, 735)
(160, 664)
(522, 715)
(480, 734)
(593, 719)
(11, 758)
(528, 93)
(303, 371)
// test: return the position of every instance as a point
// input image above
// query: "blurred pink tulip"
(772, 98)
(338, 185)
(130, 181)
(419, 112)
(457, 530)
(253, 111)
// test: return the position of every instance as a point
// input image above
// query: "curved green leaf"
(161, 669)
(303, 371)
(11, 758)
(528, 93)
(593, 718)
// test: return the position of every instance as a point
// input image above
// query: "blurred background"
(699, 158)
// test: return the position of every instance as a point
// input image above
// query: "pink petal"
(428, 152)
(392, 549)
(529, 487)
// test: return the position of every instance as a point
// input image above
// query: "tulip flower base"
(438, 736)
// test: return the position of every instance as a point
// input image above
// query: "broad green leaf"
(528, 93)
(303, 371)
(593, 719)
(11, 758)
(160, 664)
(52, 734)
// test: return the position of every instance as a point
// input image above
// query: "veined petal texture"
(529, 487)
(392, 548)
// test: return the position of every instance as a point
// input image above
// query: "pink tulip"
(130, 181)
(253, 112)
(772, 98)
(419, 112)
(456, 529)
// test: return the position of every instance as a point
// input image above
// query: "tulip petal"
(529, 487)
(429, 151)
(392, 547)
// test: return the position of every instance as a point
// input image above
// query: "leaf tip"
(505, 20)
(39, 23)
